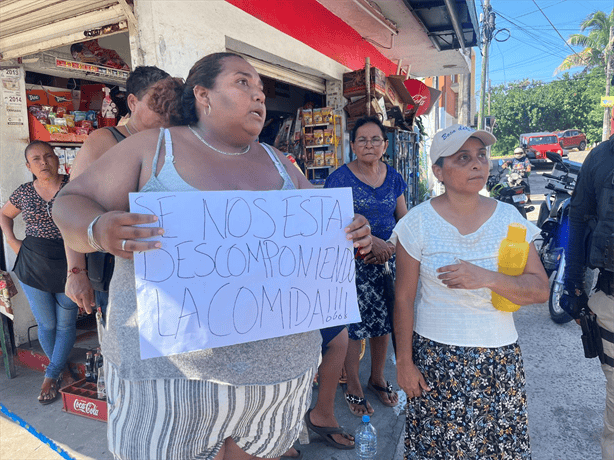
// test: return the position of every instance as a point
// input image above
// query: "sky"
(535, 48)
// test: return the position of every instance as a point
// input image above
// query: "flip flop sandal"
(298, 457)
(357, 401)
(327, 433)
(379, 390)
(53, 390)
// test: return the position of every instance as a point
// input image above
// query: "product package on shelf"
(51, 117)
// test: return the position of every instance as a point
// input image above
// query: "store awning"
(32, 26)
(449, 24)
(428, 37)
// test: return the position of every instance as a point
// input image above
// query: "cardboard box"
(358, 108)
(354, 83)
(397, 93)
(80, 398)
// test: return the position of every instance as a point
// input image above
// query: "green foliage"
(533, 106)
(594, 44)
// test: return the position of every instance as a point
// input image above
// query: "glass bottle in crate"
(101, 385)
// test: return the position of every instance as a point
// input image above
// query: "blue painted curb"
(15, 418)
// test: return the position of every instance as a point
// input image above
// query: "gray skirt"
(190, 419)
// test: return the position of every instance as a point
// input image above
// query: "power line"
(574, 52)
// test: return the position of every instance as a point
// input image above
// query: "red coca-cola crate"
(81, 398)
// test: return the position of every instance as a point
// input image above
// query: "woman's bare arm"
(7, 216)
(103, 189)
(409, 377)
(529, 288)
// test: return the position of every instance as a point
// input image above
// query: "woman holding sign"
(378, 194)
(459, 361)
(237, 402)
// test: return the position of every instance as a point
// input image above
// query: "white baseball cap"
(518, 150)
(448, 141)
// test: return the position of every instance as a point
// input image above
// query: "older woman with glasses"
(378, 195)
(41, 263)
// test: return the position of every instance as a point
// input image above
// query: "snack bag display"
(329, 158)
(307, 117)
(318, 137)
(328, 136)
(318, 158)
(309, 139)
(327, 114)
(317, 116)
(70, 120)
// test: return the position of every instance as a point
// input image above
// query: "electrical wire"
(574, 52)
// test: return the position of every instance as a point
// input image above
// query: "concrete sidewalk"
(79, 438)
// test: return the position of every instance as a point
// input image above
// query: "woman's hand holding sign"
(360, 232)
(119, 233)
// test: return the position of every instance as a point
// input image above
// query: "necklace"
(130, 132)
(243, 152)
(365, 176)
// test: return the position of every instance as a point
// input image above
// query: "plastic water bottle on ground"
(365, 440)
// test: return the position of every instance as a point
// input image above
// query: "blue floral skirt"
(374, 302)
(477, 406)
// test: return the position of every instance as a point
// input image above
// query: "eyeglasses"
(375, 141)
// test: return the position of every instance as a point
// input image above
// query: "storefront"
(302, 49)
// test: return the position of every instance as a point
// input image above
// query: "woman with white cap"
(458, 358)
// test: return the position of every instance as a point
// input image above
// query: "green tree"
(594, 44)
(596, 52)
(534, 106)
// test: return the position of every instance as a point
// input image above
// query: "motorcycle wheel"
(557, 314)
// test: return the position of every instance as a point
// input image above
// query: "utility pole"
(488, 26)
(608, 77)
(464, 95)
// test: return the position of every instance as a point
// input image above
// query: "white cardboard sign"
(241, 266)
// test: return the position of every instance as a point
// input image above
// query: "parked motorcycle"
(509, 189)
(553, 220)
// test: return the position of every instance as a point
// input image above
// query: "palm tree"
(597, 51)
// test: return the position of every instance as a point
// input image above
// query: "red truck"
(537, 144)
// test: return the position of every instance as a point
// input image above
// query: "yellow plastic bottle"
(513, 256)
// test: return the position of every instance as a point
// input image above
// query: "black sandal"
(53, 391)
(357, 401)
(327, 433)
(379, 390)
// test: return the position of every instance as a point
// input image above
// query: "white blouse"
(459, 317)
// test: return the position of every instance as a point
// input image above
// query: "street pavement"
(566, 399)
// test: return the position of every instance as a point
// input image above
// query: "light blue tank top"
(257, 363)
(169, 179)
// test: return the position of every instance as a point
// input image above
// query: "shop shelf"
(39, 132)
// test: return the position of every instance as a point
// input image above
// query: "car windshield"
(539, 140)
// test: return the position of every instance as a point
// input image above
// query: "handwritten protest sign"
(241, 266)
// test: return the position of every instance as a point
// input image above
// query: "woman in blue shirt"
(378, 194)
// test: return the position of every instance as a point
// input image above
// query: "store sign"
(607, 101)
(91, 68)
(242, 266)
(420, 94)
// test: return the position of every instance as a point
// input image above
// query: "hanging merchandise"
(108, 112)
(92, 53)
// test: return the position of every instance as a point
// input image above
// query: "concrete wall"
(13, 173)
(174, 34)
